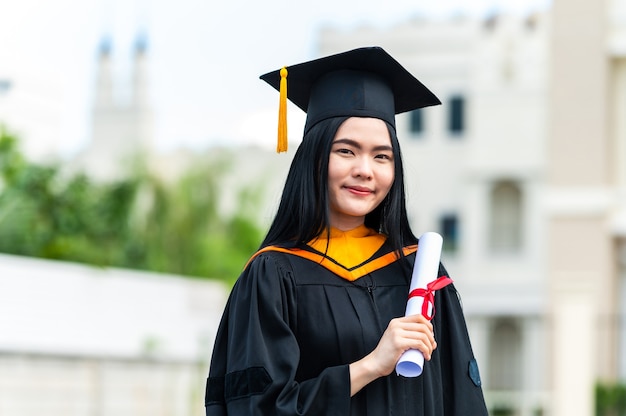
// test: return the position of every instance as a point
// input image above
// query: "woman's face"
(360, 170)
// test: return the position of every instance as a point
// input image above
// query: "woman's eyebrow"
(358, 145)
(349, 142)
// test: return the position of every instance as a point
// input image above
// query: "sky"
(205, 56)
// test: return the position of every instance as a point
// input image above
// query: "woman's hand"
(409, 332)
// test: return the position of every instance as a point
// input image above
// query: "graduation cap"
(364, 82)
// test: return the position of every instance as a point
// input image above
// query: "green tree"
(138, 222)
(610, 399)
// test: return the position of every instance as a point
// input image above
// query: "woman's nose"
(363, 168)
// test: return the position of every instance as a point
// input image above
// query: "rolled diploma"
(425, 270)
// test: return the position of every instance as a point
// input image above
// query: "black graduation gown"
(291, 327)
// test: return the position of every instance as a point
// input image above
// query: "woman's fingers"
(411, 332)
(415, 338)
(414, 332)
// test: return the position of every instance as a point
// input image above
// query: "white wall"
(81, 340)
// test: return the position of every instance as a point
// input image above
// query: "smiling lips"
(359, 190)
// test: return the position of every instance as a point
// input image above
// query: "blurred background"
(138, 174)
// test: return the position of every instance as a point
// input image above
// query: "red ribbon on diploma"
(429, 294)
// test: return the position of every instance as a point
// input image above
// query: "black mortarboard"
(364, 82)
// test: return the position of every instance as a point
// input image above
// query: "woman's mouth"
(359, 190)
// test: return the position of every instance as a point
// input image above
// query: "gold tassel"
(282, 113)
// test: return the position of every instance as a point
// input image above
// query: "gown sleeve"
(460, 380)
(256, 354)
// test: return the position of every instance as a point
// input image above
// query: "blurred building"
(83, 340)
(122, 120)
(522, 169)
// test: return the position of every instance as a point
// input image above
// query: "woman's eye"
(383, 156)
(344, 151)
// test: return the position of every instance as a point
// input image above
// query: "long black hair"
(303, 212)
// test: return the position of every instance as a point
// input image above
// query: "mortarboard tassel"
(282, 113)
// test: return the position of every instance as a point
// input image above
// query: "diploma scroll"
(425, 271)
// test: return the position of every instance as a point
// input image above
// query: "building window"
(449, 226)
(505, 361)
(505, 234)
(456, 115)
(5, 86)
(416, 121)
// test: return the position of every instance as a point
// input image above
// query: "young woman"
(315, 325)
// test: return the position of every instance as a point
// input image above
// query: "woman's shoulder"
(293, 265)
(267, 276)
(266, 266)
(271, 256)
